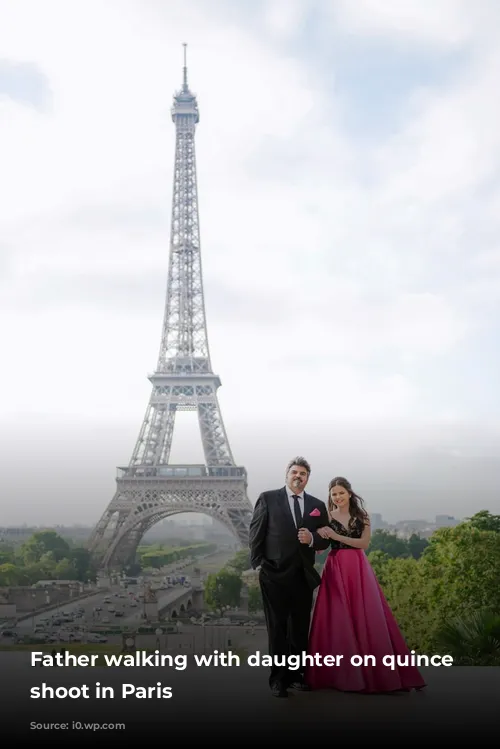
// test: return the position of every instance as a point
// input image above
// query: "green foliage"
(133, 570)
(472, 640)
(396, 547)
(416, 545)
(438, 593)
(6, 553)
(378, 560)
(464, 565)
(9, 574)
(44, 543)
(158, 555)
(254, 599)
(405, 586)
(485, 521)
(44, 556)
(223, 589)
(240, 562)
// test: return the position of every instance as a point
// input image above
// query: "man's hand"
(305, 536)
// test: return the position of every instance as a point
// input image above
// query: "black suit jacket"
(273, 535)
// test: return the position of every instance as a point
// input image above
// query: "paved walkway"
(456, 701)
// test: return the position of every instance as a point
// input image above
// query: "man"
(283, 541)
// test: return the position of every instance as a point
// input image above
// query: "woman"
(351, 616)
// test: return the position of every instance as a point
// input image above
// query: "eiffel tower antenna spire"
(185, 70)
(150, 488)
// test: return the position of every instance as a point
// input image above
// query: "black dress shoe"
(300, 685)
(278, 690)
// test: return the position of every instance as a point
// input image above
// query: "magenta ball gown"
(352, 618)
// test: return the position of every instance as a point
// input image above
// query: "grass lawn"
(215, 564)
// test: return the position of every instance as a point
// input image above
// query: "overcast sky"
(348, 155)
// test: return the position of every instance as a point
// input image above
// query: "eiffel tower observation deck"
(150, 488)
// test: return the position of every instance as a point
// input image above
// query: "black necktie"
(297, 512)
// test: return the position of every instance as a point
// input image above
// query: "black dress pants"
(287, 601)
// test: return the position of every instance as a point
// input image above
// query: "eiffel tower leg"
(213, 435)
(166, 433)
(127, 549)
(155, 438)
(114, 526)
(107, 528)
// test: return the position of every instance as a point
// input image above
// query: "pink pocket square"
(315, 513)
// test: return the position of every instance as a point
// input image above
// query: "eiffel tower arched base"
(139, 504)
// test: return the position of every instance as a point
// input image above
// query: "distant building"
(377, 522)
(407, 528)
(422, 528)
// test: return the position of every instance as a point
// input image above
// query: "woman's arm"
(356, 543)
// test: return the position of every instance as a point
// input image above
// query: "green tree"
(463, 565)
(132, 570)
(389, 543)
(10, 574)
(254, 599)
(32, 573)
(417, 545)
(406, 587)
(223, 589)
(65, 570)
(7, 555)
(156, 555)
(156, 560)
(42, 543)
(485, 521)
(240, 562)
(378, 560)
(472, 640)
(456, 575)
(83, 564)
(46, 556)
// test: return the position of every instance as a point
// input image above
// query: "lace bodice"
(355, 531)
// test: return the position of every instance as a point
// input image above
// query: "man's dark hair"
(299, 461)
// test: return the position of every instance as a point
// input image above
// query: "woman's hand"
(325, 532)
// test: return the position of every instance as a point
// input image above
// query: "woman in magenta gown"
(351, 616)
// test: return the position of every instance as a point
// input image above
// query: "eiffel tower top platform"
(180, 472)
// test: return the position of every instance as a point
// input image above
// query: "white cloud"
(443, 22)
(283, 18)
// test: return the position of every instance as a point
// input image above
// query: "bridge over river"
(177, 602)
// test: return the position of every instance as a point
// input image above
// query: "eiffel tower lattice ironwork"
(150, 489)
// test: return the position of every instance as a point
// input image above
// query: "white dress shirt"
(291, 495)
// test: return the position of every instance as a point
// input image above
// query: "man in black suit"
(283, 541)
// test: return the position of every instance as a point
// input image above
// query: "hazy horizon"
(410, 474)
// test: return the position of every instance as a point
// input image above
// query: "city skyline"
(202, 528)
(349, 225)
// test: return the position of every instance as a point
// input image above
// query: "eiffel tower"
(150, 489)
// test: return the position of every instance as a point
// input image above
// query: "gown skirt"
(352, 618)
